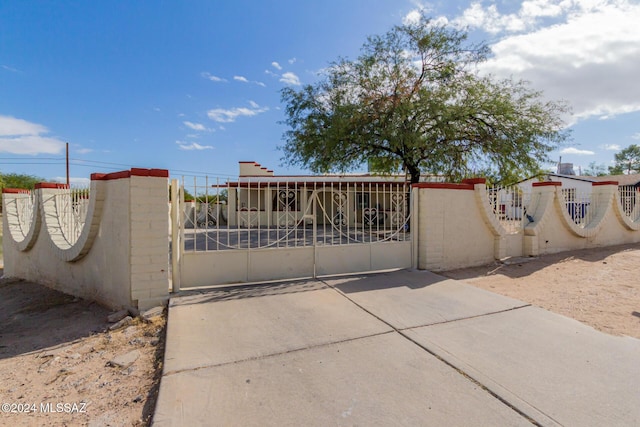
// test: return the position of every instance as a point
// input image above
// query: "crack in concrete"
(266, 356)
(466, 318)
(451, 365)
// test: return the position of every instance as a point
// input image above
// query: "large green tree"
(413, 101)
(17, 180)
(627, 161)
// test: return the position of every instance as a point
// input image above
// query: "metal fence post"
(175, 235)
(414, 220)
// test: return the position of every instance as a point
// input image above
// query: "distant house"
(631, 180)
(581, 182)
(259, 197)
(577, 189)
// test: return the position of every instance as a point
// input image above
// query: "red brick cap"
(443, 185)
(474, 181)
(547, 184)
(594, 184)
(160, 173)
(110, 176)
(55, 185)
(15, 191)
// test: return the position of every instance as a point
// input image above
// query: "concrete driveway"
(404, 348)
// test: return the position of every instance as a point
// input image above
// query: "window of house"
(286, 200)
(362, 201)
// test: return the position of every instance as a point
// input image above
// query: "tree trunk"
(414, 173)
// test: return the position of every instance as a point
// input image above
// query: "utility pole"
(68, 165)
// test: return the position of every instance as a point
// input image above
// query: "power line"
(56, 161)
(32, 157)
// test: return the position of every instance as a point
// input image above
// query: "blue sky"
(194, 86)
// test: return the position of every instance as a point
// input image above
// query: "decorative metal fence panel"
(509, 204)
(72, 206)
(580, 204)
(20, 216)
(259, 213)
(629, 197)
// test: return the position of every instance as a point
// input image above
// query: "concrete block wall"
(452, 232)
(456, 227)
(121, 257)
(554, 231)
(149, 239)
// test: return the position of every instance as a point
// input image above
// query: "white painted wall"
(259, 265)
(579, 184)
(451, 230)
(457, 230)
(553, 230)
(125, 264)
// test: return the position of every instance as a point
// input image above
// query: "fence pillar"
(542, 199)
(149, 228)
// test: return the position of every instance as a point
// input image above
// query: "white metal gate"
(264, 229)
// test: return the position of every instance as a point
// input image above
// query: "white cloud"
(589, 56)
(292, 61)
(530, 15)
(636, 135)
(573, 150)
(84, 150)
(245, 80)
(290, 79)
(275, 65)
(30, 144)
(13, 70)
(489, 19)
(271, 73)
(194, 126)
(412, 17)
(192, 146)
(213, 78)
(611, 147)
(10, 126)
(221, 115)
(18, 136)
(74, 181)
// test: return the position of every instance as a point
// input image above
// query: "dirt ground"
(60, 365)
(599, 287)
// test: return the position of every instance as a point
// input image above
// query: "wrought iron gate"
(261, 229)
